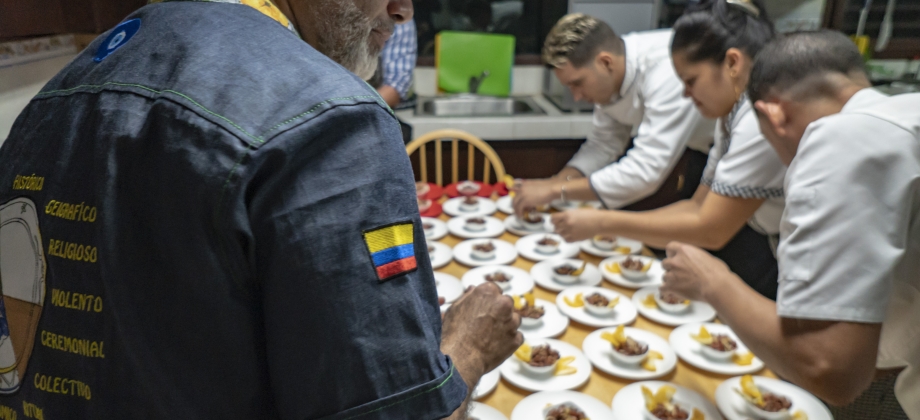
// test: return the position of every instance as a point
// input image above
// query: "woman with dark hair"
(736, 210)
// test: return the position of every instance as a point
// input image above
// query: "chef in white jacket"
(845, 323)
(636, 93)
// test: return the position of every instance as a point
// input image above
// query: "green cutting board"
(461, 55)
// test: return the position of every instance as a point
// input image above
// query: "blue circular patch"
(118, 37)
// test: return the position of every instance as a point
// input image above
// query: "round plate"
(515, 227)
(484, 191)
(542, 273)
(449, 287)
(441, 256)
(435, 192)
(554, 323)
(487, 384)
(520, 280)
(513, 372)
(624, 313)
(690, 350)
(505, 253)
(572, 205)
(599, 352)
(654, 276)
(735, 408)
(531, 408)
(696, 313)
(452, 207)
(505, 204)
(635, 247)
(483, 412)
(527, 247)
(438, 231)
(494, 228)
(629, 404)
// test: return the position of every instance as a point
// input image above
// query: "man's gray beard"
(344, 36)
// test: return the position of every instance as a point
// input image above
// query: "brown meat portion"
(722, 342)
(527, 311)
(547, 241)
(671, 299)
(774, 403)
(677, 413)
(498, 277)
(471, 200)
(566, 412)
(632, 347)
(632, 264)
(533, 217)
(565, 270)
(597, 299)
(484, 247)
(476, 221)
(542, 356)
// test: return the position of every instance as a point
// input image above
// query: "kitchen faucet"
(475, 82)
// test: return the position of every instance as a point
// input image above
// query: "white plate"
(439, 231)
(452, 207)
(531, 408)
(554, 322)
(520, 280)
(449, 287)
(505, 204)
(572, 205)
(527, 247)
(513, 372)
(624, 313)
(505, 254)
(696, 313)
(483, 412)
(654, 276)
(441, 256)
(487, 384)
(494, 228)
(629, 404)
(690, 350)
(735, 408)
(542, 273)
(635, 247)
(599, 352)
(514, 226)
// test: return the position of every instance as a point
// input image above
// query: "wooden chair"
(491, 160)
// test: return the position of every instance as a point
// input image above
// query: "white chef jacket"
(850, 242)
(743, 164)
(651, 102)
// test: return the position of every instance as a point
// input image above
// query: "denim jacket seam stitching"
(452, 370)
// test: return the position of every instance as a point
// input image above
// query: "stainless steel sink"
(465, 105)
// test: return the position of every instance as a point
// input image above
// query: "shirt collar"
(864, 96)
(265, 6)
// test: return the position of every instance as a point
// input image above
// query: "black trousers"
(750, 256)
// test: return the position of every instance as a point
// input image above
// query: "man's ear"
(605, 61)
(775, 115)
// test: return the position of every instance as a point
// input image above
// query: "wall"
(793, 15)
(19, 83)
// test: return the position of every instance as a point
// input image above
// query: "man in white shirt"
(844, 325)
(632, 82)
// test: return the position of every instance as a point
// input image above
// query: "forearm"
(680, 221)
(569, 173)
(576, 189)
(470, 370)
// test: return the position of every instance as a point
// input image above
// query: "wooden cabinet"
(843, 15)
(20, 18)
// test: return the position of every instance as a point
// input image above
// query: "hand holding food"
(577, 225)
(533, 193)
(691, 271)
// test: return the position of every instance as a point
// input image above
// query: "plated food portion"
(557, 274)
(669, 310)
(546, 365)
(596, 307)
(434, 228)
(629, 353)
(558, 404)
(761, 398)
(655, 400)
(512, 280)
(539, 318)
(632, 271)
(533, 222)
(469, 206)
(440, 254)
(714, 348)
(608, 246)
(481, 252)
(472, 227)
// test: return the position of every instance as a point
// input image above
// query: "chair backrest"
(490, 162)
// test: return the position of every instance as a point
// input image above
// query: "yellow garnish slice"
(563, 368)
(580, 270)
(509, 181)
(649, 362)
(623, 250)
(799, 415)
(744, 359)
(523, 352)
(612, 268)
(697, 415)
(662, 396)
(649, 301)
(614, 302)
(704, 337)
(577, 303)
(518, 302)
(750, 391)
(615, 338)
(531, 301)
(646, 267)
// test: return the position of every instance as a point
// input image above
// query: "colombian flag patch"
(392, 249)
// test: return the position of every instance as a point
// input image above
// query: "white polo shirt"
(651, 104)
(742, 164)
(850, 243)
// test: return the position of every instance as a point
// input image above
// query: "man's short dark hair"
(578, 38)
(801, 61)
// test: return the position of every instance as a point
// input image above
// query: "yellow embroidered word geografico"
(72, 251)
(79, 212)
(65, 386)
(31, 183)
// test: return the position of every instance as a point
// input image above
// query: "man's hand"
(481, 331)
(532, 193)
(690, 271)
(579, 224)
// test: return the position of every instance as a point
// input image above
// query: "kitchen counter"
(552, 125)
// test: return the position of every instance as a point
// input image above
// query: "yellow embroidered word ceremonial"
(7, 413)
(79, 212)
(65, 386)
(72, 251)
(81, 346)
(31, 183)
(32, 411)
(77, 301)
